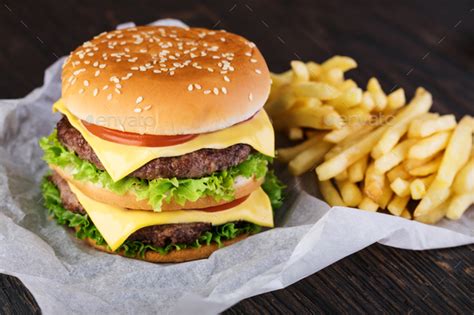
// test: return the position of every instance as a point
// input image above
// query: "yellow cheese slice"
(117, 224)
(119, 160)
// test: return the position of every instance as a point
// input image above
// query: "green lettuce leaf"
(86, 229)
(218, 185)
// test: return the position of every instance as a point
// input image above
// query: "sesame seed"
(137, 110)
(216, 91)
(105, 87)
(97, 73)
(248, 54)
(253, 60)
(109, 97)
(142, 68)
(86, 83)
(147, 107)
(118, 86)
(78, 71)
(95, 92)
(102, 66)
(139, 100)
(156, 71)
(81, 91)
(171, 73)
(190, 87)
(258, 71)
(207, 92)
(226, 78)
(118, 91)
(250, 97)
(224, 90)
(197, 86)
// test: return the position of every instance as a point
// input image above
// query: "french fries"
(429, 146)
(420, 104)
(373, 150)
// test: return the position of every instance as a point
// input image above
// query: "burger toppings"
(158, 238)
(162, 118)
(195, 164)
(218, 185)
(121, 160)
(135, 139)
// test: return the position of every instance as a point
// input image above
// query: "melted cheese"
(119, 160)
(117, 224)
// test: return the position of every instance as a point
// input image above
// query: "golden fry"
(398, 205)
(357, 170)
(374, 183)
(320, 90)
(350, 192)
(314, 70)
(300, 72)
(457, 152)
(324, 117)
(398, 172)
(436, 214)
(396, 99)
(397, 127)
(431, 126)
(367, 102)
(368, 205)
(309, 158)
(401, 187)
(391, 159)
(330, 193)
(430, 146)
(338, 135)
(459, 204)
(380, 99)
(341, 62)
(287, 154)
(346, 158)
(427, 168)
(406, 214)
(436, 195)
(464, 180)
(349, 98)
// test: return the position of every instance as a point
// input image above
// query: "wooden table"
(403, 43)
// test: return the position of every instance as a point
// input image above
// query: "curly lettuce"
(219, 185)
(86, 229)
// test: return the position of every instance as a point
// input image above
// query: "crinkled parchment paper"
(66, 276)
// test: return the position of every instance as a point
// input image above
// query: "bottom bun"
(242, 187)
(175, 256)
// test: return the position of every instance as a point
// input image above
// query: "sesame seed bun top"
(165, 80)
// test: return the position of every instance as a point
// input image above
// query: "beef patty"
(156, 235)
(191, 165)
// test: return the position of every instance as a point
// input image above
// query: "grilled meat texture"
(191, 165)
(156, 235)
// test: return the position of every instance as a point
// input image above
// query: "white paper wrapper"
(66, 276)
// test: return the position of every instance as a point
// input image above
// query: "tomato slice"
(145, 140)
(225, 206)
(135, 139)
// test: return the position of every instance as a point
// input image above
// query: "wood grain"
(403, 43)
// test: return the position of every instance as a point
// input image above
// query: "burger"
(163, 149)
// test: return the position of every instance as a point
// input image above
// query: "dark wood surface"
(403, 43)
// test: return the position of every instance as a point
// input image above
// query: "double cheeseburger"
(163, 147)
